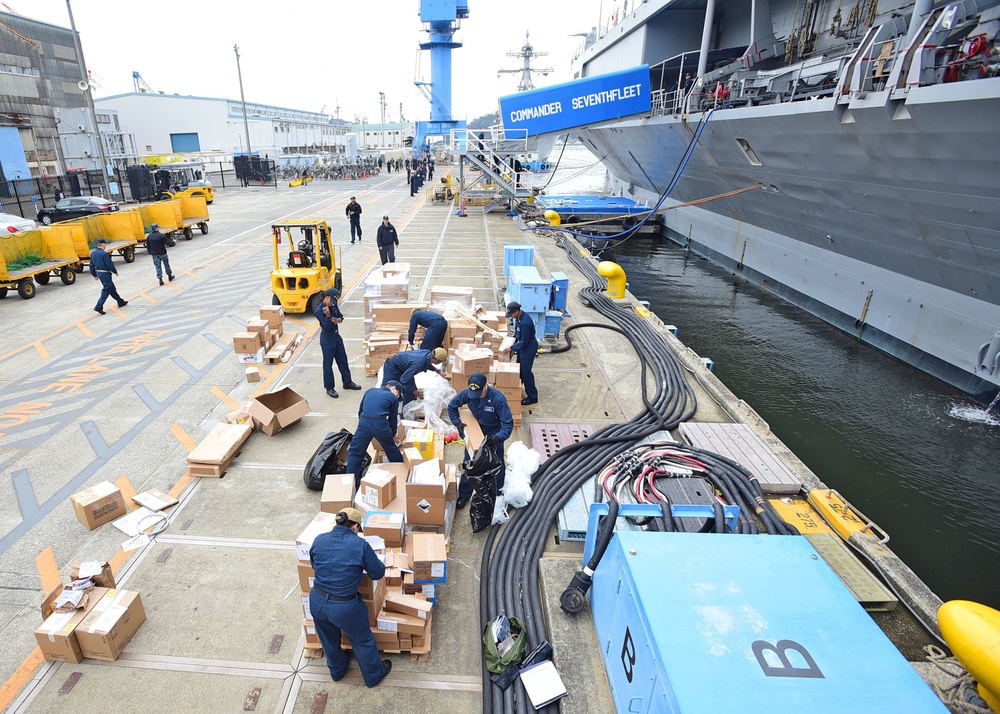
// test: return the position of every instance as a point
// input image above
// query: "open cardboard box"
(277, 410)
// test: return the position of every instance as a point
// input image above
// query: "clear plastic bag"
(437, 394)
(522, 463)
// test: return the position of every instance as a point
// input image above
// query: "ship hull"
(881, 217)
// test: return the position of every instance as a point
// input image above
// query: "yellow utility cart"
(306, 262)
(35, 257)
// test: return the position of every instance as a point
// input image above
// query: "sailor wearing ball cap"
(377, 419)
(525, 347)
(489, 407)
(329, 315)
(404, 366)
(339, 558)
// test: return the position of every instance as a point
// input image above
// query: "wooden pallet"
(312, 652)
(739, 443)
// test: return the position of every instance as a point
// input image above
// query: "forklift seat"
(298, 259)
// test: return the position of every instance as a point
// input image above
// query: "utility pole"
(239, 73)
(381, 99)
(85, 88)
(400, 125)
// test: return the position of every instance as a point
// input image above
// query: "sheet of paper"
(68, 597)
(376, 542)
(89, 569)
(135, 542)
(542, 683)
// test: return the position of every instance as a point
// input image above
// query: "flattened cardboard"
(277, 410)
(338, 493)
(474, 437)
(220, 445)
(407, 605)
(99, 504)
(110, 625)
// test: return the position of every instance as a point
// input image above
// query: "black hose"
(574, 597)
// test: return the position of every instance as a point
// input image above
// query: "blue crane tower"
(441, 20)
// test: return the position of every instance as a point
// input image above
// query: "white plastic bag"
(522, 463)
(437, 394)
(500, 515)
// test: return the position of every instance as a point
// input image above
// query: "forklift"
(305, 264)
(175, 181)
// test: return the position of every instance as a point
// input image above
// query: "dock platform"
(219, 585)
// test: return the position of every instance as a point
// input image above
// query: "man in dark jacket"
(404, 367)
(102, 269)
(489, 407)
(156, 244)
(354, 214)
(525, 347)
(387, 240)
(434, 326)
(329, 315)
(378, 418)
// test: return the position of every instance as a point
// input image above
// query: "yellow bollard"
(553, 217)
(972, 631)
(616, 278)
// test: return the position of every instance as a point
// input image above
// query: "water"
(916, 456)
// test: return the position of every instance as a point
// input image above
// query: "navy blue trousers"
(351, 618)
(332, 345)
(108, 290)
(433, 336)
(526, 359)
(369, 429)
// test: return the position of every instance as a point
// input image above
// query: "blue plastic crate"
(517, 254)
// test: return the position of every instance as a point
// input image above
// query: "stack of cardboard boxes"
(90, 617)
(217, 450)
(261, 337)
(385, 285)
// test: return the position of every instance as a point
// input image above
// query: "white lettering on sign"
(606, 96)
(542, 110)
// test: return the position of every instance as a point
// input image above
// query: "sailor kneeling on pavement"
(489, 407)
(378, 417)
(339, 558)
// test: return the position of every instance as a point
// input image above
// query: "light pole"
(400, 125)
(246, 124)
(85, 87)
(364, 131)
(381, 99)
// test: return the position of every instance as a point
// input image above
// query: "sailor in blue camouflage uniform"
(434, 326)
(339, 558)
(525, 347)
(378, 417)
(404, 367)
(490, 408)
(102, 269)
(329, 315)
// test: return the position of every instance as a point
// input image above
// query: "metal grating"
(547, 439)
(739, 443)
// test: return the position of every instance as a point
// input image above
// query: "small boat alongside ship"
(850, 149)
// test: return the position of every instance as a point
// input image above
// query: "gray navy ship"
(850, 153)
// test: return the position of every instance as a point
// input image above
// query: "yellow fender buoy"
(553, 217)
(972, 631)
(616, 278)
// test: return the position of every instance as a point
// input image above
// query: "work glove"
(461, 430)
(492, 440)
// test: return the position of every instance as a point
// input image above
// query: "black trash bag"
(329, 458)
(482, 471)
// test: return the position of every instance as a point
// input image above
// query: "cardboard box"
(274, 314)
(451, 479)
(474, 437)
(401, 624)
(378, 488)
(321, 523)
(412, 457)
(460, 330)
(407, 605)
(278, 410)
(312, 637)
(441, 295)
(506, 375)
(470, 360)
(397, 564)
(422, 440)
(98, 504)
(220, 445)
(110, 625)
(253, 374)
(247, 343)
(262, 327)
(430, 557)
(306, 576)
(57, 637)
(389, 525)
(376, 601)
(368, 588)
(426, 590)
(240, 415)
(257, 357)
(338, 493)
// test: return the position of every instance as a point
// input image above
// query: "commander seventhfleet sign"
(582, 101)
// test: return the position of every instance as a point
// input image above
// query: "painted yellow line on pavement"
(22, 675)
(182, 436)
(42, 352)
(225, 398)
(84, 329)
(128, 491)
(146, 297)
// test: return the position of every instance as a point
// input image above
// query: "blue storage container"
(529, 289)
(517, 254)
(560, 291)
(553, 323)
